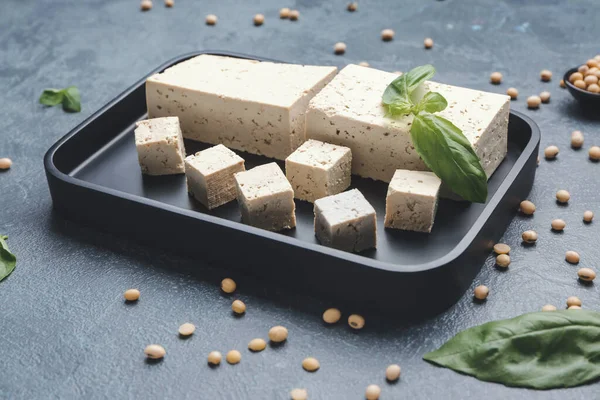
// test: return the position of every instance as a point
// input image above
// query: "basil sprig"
(8, 260)
(441, 145)
(68, 97)
(541, 350)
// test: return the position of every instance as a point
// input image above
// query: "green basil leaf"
(399, 108)
(396, 92)
(51, 97)
(8, 260)
(433, 102)
(542, 350)
(418, 75)
(72, 99)
(448, 153)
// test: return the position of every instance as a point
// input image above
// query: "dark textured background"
(64, 329)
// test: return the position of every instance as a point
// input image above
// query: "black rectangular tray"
(94, 178)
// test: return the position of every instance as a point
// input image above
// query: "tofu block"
(209, 175)
(348, 112)
(412, 200)
(248, 105)
(346, 221)
(317, 169)
(160, 146)
(266, 198)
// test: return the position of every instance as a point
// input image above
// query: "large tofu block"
(346, 221)
(266, 198)
(209, 175)
(412, 199)
(258, 107)
(160, 146)
(317, 169)
(348, 112)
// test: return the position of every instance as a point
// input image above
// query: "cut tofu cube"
(248, 105)
(346, 221)
(348, 112)
(318, 169)
(209, 175)
(266, 198)
(160, 146)
(412, 200)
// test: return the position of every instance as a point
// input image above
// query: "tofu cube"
(266, 198)
(412, 200)
(249, 105)
(317, 169)
(348, 112)
(346, 221)
(209, 175)
(160, 146)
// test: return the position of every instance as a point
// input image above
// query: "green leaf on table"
(397, 92)
(418, 75)
(51, 97)
(448, 153)
(432, 102)
(8, 260)
(541, 350)
(68, 97)
(72, 99)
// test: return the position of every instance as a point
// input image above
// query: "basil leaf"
(8, 260)
(399, 108)
(448, 153)
(397, 92)
(72, 99)
(418, 75)
(542, 350)
(51, 97)
(433, 102)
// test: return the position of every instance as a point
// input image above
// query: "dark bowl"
(583, 96)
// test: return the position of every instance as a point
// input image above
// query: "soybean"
(257, 345)
(558, 224)
(332, 315)
(259, 19)
(356, 321)
(573, 301)
(294, 15)
(132, 295)
(501, 248)
(373, 392)
(586, 274)
(233, 357)
(392, 373)
(513, 93)
(575, 76)
(284, 13)
(311, 364)
(5, 163)
(503, 260)
(594, 153)
(545, 97)
(228, 285)
(363, 64)
(527, 207)
(563, 196)
(534, 102)
(187, 329)
(546, 75)
(574, 308)
(551, 152)
(278, 334)
(211, 19)
(214, 358)
(352, 6)
(169, 3)
(529, 236)
(238, 307)
(428, 42)
(576, 139)
(387, 35)
(588, 216)
(549, 307)
(299, 394)
(572, 257)
(339, 48)
(146, 5)
(496, 78)
(155, 351)
(481, 292)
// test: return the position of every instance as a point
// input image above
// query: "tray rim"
(453, 254)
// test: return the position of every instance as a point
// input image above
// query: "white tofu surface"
(160, 146)
(317, 169)
(253, 106)
(348, 112)
(346, 221)
(412, 200)
(266, 198)
(210, 173)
